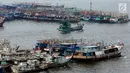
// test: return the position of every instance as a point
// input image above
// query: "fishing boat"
(78, 27)
(60, 61)
(65, 27)
(123, 20)
(100, 19)
(1, 21)
(98, 52)
(32, 65)
(40, 60)
(6, 51)
(9, 17)
(104, 17)
(44, 62)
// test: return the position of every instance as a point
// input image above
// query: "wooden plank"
(80, 57)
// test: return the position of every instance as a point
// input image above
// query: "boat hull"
(95, 58)
(2, 22)
(61, 62)
(31, 71)
(51, 19)
(39, 69)
(77, 28)
(48, 66)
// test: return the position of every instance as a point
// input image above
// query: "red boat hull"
(1, 21)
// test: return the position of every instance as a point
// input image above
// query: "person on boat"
(35, 47)
(73, 48)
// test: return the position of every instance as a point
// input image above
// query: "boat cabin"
(86, 52)
(112, 50)
(67, 48)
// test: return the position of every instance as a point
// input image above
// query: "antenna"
(90, 5)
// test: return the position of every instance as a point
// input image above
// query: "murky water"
(25, 33)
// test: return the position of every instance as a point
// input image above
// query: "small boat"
(27, 66)
(1, 21)
(65, 27)
(79, 27)
(123, 20)
(59, 61)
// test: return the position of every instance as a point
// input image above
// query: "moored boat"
(1, 21)
(91, 52)
(43, 56)
(41, 60)
(36, 65)
(98, 52)
(59, 61)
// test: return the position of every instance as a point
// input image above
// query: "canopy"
(3, 63)
(97, 19)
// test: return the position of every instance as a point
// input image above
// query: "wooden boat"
(1, 21)
(32, 65)
(79, 27)
(98, 53)
(56, 18)
(36, 65)
(99, 18)
(59, 61)
(40, 60)
(65, 27)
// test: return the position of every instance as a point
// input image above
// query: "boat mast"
(90, 5)
(50, 47)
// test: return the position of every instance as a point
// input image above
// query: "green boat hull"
(64, 30)
(65, 27)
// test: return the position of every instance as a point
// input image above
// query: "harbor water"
(26, 32)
